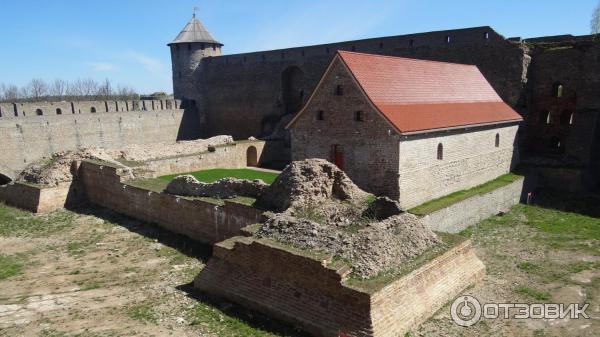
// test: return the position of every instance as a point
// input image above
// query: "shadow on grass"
(183, 244)
(245, 322)
(585, 204)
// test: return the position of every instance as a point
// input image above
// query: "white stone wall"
(470, 159)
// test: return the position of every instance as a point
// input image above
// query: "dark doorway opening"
(292, 89)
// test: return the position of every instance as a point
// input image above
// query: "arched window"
(39, 112)
(566, 118)
(448, 39)
(93, 110)
(497, 142)
(339, 90)
(559, 90)
(411, 42)
(58, 111)
(440, 151)
(544, 117)
(486, 35)
(556, 144)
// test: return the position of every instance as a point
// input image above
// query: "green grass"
(142, 313)
(9, 266)
(16, 222)
(445, 201)
(533, 293)
(210, 176)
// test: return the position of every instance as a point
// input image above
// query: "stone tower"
(187, 50)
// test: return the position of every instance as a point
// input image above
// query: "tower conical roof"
(194, 31)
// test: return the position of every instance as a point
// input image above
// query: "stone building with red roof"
(410, 129)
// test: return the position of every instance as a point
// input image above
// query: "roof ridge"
(404, 58)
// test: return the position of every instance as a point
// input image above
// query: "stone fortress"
(553, 82)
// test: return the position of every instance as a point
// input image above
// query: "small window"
(202, 46)
(339, 90)
(326, 50)
(556, 144)
(303, 53)
(544, 117)
(359, 116)
(566, 118)
(380, 45)
(497, 143)
(39, 112)
(411, 42)
(244, 59)
(93, 110)
(558, 90)
(448, 39)
(320, 115)
(214, 47)
(440, 151)
(486, 36)
(189, 46)
(58, 111)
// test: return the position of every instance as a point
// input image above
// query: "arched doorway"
(292, 84)
(251, 157)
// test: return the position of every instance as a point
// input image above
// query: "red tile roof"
(417, 95)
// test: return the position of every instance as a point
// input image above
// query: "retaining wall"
(228, 156)
(202, 221)
(311, 291)
(465, 213)
(36, 199)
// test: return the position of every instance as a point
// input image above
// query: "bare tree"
(37, 89)
(11, 92)
(105, 89)
(59, 88)
(595, 24)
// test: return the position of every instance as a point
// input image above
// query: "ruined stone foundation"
(317, 293)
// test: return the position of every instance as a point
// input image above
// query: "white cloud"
(102, 66)
(151, 64)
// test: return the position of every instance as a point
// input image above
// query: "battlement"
(13, 110)
(384, 45)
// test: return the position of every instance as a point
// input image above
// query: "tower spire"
(194, 11)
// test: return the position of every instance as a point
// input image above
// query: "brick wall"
(471, 211)
(370, 153)
(36, 199)
(470, 158)
(310, 291)
(196, 219)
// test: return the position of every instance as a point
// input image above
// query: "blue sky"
(125, 40)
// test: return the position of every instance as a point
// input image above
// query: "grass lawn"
(210, 176)
(447, 200)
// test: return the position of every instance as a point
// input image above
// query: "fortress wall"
(577, 67)
(196, 219)
(26, 139)
(243, 94)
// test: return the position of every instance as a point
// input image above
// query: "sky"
(126, 40)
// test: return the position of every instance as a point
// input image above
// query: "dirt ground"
(93, 273)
